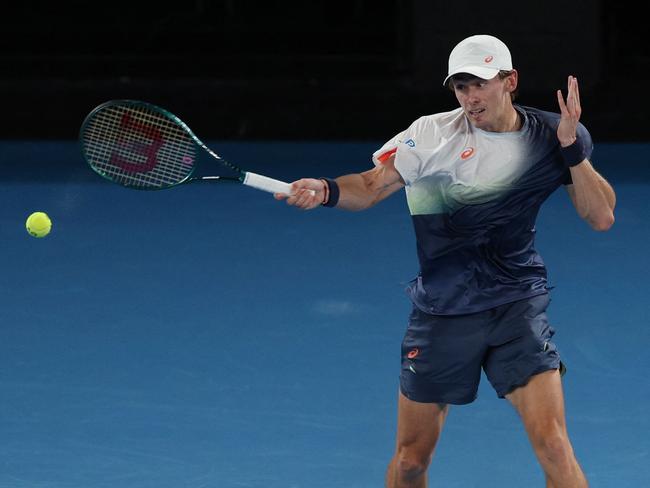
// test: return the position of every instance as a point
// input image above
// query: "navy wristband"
(572, 154)
(333, 193)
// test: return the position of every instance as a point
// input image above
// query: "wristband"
(326, 191)
(333, 193)
(572, 154)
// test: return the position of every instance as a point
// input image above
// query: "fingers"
(306, 194)
(571, 108)
(307, 199)
(570, 96)
(573, 96)
(577, 89)
(570, 112)
(560, 101)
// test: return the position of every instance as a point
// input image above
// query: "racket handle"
(266, 184)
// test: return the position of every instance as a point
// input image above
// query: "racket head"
(138, 145)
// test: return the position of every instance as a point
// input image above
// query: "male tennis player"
(475, 179)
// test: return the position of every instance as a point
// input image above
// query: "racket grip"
(266, 184)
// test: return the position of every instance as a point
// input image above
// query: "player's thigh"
(419, 425)
(520, 345)
(540, 404)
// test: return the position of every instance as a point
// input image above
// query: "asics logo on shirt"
(467, 153)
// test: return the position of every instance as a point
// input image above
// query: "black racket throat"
(216, 179)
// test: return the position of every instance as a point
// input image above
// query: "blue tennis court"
(209, 336)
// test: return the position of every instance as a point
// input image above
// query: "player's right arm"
(357, 191)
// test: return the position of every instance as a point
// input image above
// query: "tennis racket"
(142, 146)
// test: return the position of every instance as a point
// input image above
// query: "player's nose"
(472, 95)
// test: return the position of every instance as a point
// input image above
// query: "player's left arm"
(592, 196)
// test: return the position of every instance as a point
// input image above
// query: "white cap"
(483, 56)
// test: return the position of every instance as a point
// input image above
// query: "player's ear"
(512, 81)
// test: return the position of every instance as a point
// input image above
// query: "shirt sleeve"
(387, 150)
(408, 160)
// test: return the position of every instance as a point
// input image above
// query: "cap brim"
(480, 71)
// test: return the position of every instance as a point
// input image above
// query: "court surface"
(212, 337)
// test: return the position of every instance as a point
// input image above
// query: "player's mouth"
(476, 113)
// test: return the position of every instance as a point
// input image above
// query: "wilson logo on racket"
(148, 151)
(467, 153)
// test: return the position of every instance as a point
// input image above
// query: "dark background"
(351, 70)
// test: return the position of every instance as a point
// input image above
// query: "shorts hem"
(523, 382)
(438, 398)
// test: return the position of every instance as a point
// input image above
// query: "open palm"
(570, 113)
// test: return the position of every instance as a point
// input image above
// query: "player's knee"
(554, 449)
(411, 464)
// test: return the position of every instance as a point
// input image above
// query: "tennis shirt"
(474, 197)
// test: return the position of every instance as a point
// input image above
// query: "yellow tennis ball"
(38, 224)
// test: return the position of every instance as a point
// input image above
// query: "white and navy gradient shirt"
(474, 197)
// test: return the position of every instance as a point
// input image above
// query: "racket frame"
(247, 178)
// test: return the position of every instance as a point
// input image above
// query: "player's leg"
(540, 404)
(441, 365)
(418, 430)
(523, 365)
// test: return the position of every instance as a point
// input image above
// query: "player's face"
(486, 103)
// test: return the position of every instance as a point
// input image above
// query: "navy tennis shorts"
(442, 356)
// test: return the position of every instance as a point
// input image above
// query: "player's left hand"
(570, 113)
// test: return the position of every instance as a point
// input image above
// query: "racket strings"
(139, 157)
(126, 160)
(136, 146)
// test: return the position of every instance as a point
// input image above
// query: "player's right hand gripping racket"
(142, 146)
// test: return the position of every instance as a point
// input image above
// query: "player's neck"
(512, 122)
